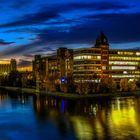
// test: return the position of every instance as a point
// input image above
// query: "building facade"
(7, 66)
(89, 64)
(54, 70)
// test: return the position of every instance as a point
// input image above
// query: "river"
(25, 117)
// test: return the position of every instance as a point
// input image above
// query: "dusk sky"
(29, 27)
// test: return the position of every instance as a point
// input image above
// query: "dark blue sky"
(29, 27)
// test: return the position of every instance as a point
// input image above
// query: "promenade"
(69, 95)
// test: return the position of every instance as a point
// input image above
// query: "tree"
(124, 84)
(132, 85)
(138, 84)
(107, 84)
(87, 86)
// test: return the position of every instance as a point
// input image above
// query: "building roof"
(101, 40)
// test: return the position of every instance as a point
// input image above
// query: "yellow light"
(4, 62)
(123, 58)
(123, 116)
(125, 53)
(28, 68)
(82, 127)
(86, 57)
(123, 63)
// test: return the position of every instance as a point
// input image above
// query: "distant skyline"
(29, 27)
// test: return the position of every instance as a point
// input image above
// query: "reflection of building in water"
(2, 97)
(123, 118)
(82, 127)
(45, 106)
(117, 121)
(99, 120)
(6, 66)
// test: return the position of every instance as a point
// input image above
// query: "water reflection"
(105, 119)
(53, 118)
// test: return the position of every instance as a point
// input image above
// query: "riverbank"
(70, 95)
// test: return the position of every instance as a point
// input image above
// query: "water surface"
(46, 118)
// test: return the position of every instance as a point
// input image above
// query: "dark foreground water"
(42, 118)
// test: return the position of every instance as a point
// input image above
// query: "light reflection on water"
(40, 118)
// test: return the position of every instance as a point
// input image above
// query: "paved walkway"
(71, 95)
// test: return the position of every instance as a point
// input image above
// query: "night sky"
(29, 27)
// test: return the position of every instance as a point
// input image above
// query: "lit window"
(137, 53)
(98, 57)
(123, 62)
(123, 67)
(124, 72)
(104, 67)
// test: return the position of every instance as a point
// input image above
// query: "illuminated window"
(86, 57)
(125, 53)
(123, 67)
(124, 72)
(125, 76)
(123, 58)
(123, 62)
(98, 57)
(104, 67)
(137, 53)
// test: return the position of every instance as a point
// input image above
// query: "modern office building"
(89, 64)
(124, 64)
(92, 63)
(6, 66)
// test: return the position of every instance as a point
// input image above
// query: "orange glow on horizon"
(28, 68)
(3, 62)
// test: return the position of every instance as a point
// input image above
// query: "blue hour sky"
(29, 27)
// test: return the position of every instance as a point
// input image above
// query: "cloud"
(32, 19)
(20, 38)
(28, 55)
(120, 27)
(72, 23)
(21, 49)
(114, 25)
(18, 4)
(2, 42)
(47, 13)
(98, 5)
(28, 50)
(24, 63)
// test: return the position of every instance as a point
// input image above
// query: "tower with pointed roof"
(101, 40)
(102, 43)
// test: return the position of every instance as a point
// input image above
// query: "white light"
(123, 67)
(123, 62)
(137, 53)
(124, 72)
(122, 76)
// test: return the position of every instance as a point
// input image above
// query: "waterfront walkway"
(70, 95)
